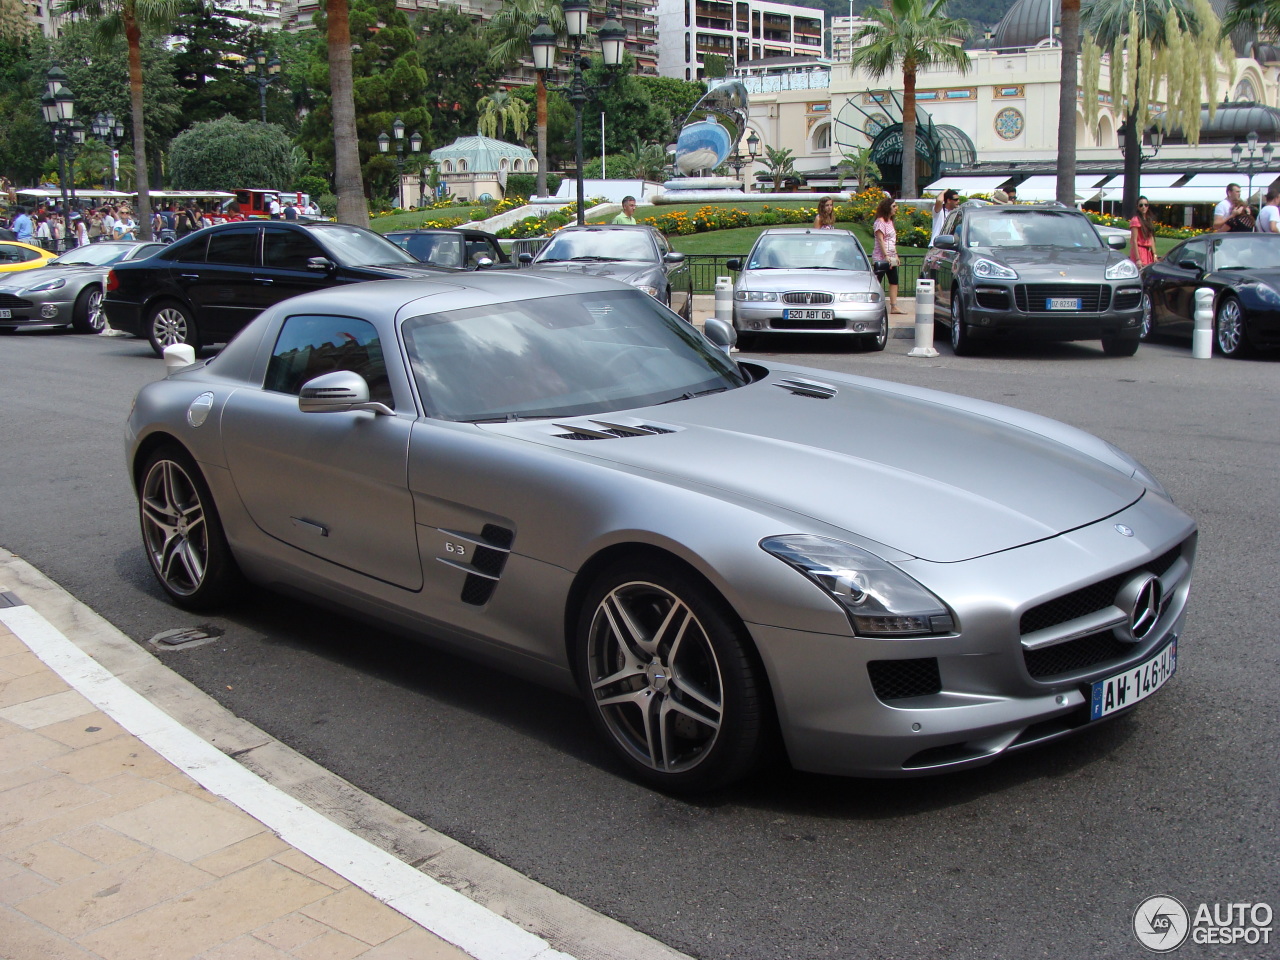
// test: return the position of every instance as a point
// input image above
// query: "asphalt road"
(1043, 854)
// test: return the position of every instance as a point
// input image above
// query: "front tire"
(171, 323)
(1120, 346)
(878, 341)
(1148, 328)
(182, 533)
(87, 315)
(670, 678)
(961, 339)
(1229, 332)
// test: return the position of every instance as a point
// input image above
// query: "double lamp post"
(58, 105)
(262, 72)
(543, 40)
(384, 146)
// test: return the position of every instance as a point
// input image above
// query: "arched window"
(822, 137)
(502, 164)
(515, 165)
(447, 166)
(1245, 93)
(462, 166)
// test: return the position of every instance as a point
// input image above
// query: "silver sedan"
(67, 291)
(558, 475)
(798, 279)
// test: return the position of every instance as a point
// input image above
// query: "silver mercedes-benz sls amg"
(560, 476)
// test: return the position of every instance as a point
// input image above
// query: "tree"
(455, 54)
(1174, 43)
(861, 167)
(500, 110)
(629, 115)
(15, 24)
(110, 19)
(1068, 84)
(225, 153)
(779, 164)
(644, 161)
(915, 34)
(1258, 17)
(352, 206)
(675, 98)
(509, 38)
(24, 136)
(210, 39)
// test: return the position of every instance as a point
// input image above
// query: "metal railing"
(705, 267)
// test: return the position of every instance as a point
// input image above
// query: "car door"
(284, 273)
(942, 263)
(331, 485)
(1175, 300)
(478, 245)
(679, 279)
(221, 289)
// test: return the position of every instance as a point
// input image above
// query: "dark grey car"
(638, 255)
(1034, 272)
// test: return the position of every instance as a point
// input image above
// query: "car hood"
(628, 271)
(1047, 258)
(27, 279)
(1270, 276)
(844, 281)
(912, 469)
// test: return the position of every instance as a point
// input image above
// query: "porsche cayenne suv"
(1034, 272)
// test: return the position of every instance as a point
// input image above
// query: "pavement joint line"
(443, 911)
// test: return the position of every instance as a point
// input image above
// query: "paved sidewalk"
(107, 850)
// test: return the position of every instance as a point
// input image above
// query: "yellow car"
(22, 256)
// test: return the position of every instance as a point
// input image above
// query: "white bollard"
(724, 299)
(1202, 335)
(924, 321)
(177, 356)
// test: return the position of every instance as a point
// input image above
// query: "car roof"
(1005, 209)
(449, 230)
(575, 228)
(801, 231)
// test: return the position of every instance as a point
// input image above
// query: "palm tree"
(353, 208)
(1262, 17)
(1068, 84)
(110, 19)
(509, 35)
(779, 164)
(915, 34)
(861, 167)
(500, 110)
(644, 161)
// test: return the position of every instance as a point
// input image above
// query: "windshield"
(94, 255)
(560, 357)
(1246, 253)
(1033, 228)
(600, 245)
(808, 251)
(441, 249)
(357, 247)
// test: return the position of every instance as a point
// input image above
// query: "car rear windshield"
(1033, 228)
(560, 356)
(600, 245)
(356, 247)
(808, 251)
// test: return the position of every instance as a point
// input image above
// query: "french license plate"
(808, 314)
(6, 314)
(1063, 303)
(1136, 683)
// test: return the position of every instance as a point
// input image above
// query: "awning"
(1219, 180)
(967, 186)
(1114, 188)
(1043, 188)
(122, 195)
(1187, 194)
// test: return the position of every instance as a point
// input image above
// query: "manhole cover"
(185, 637)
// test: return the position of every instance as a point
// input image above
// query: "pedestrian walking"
(1269, 218)
(885, 248)
(943, 204)
(1142, 235)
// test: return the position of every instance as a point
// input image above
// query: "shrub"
(524, 184)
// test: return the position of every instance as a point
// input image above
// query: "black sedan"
(1033, 272)
(456, 249)
(1242, 270)
(207, 287)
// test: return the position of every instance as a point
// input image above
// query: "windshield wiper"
(610, 259)
(696, 393)
(509, 418)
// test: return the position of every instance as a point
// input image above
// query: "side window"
(187, 251)
(956, 222)
(288, 249)
(234, 247)
(311, 346)
(1195, 252)
(480, 248)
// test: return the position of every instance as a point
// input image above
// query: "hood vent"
(609, 431)
(808, 388)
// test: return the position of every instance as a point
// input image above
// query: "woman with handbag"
(885, 249)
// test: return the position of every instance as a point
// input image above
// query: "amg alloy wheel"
(171, 323)
(87, 315)
(669, 677)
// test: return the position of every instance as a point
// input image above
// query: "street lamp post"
(1133, 164)
(58, 106)
(753, 151)
(384, 146)
(543, 41)
(263, 73)
(111, 132)
(1237, 155)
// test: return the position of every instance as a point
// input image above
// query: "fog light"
(757, 324)
(984, 321)
(49, 311)
(859, 327)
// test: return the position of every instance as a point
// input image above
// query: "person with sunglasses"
(1142, 235)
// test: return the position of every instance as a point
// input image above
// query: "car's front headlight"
(859, 298)
(880, 600)
(1267, 294)
(647, 288)
(1122, 270)
(755, 295)
(990, 270)
(47, 285)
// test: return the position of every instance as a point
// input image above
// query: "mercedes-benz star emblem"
(1123, 530)
(1142, 599)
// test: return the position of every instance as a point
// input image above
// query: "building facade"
(737, 30)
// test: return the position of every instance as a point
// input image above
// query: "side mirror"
(735, 264)
(945, 241)
(1189, 265)
(482, 262)
(673, 257)
(525, 257)
(720, 333)
(1116, 242)
(339, 392)
(321, 264)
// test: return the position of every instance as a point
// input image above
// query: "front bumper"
(847, 318)
(892, 708)
(26, 311)
(999, 308)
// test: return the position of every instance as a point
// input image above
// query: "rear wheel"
(171, 323)
(87, 315)
(669, 677)
(961, 339)
(1229, 330)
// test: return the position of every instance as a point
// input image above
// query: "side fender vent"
(807, 388)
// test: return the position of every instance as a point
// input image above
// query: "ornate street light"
(1237, 156)
(384, 146)
(58, 106)
(263, 73)
(106, 128)
(612, 37)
